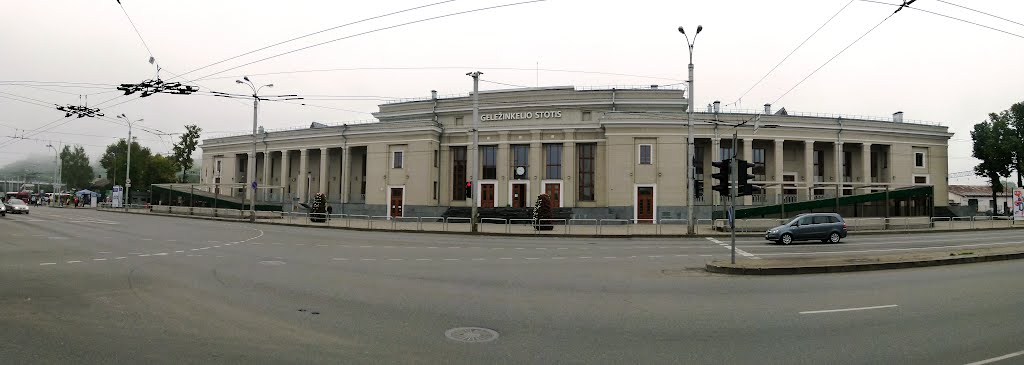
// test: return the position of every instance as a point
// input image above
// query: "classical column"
(569, 184)
(748, 155)
(865, 165)
(838, 169)
(250, 175)
(777, 167)
(808, 169)
(324, 176)
(267, 165)
(344, 175)
(285, 174)
(301, 178)
(536, 170)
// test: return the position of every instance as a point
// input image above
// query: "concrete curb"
(824, 269)
(555, 235)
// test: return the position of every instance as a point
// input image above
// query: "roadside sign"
(253, 185)
(1018, 204)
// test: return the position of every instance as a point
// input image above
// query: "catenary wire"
(951, 17)
(981, 12)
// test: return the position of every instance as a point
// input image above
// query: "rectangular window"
(218, 167)
(919, 159)
(698, 167)
(724, 153)
(553, 161)
(586, 153)
(489, 156)
(921, 179)
(458, 121)
(758, 155)
(458, 172)
(645, 154)
(520, 158)
(397, 159)
(819, 163)
(436, 190)
(437, 157)
(586, 116)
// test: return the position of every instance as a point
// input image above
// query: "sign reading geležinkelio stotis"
(547, 114)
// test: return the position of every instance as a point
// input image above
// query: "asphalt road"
(87, 287)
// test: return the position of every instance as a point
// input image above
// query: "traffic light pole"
(734, 176)
(474, 155)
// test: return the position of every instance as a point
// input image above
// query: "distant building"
(609, 153)
(979, 197)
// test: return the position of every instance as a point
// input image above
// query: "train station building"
(607, 153)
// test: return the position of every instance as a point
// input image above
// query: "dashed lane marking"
(73, 262)
(47, 263)
(101, 259)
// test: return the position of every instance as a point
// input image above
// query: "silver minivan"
(827, 227)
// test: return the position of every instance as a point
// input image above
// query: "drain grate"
(471, 334)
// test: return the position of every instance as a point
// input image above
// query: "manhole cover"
(272, 263)
(471, 334)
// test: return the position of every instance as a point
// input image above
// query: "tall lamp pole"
(474, 155)
(692, 173)
(128, 169)
(252, 160)
(56, 169)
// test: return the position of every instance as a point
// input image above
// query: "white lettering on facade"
(547, 114)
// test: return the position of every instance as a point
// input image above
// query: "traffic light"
(743, 180)
(469, 190)
(722, 177)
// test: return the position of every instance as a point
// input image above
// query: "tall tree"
(1016, 117)
(146, 169)
(75, 169)
(993, 145)
(184, 148)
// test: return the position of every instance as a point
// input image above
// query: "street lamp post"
(128, 169)
(692, 173)
(252, 159)
(56, 169)
(474, 156)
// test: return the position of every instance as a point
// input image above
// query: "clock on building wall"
(520, 171)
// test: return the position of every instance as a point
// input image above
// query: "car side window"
(833, 219)
(805, 221)
(821, 219)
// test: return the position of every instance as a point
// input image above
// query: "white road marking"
(610, 257)
(706, 255)
(480, 259)
(276, 243)
(998, 358)
(160, 254)
(120, 258)
(47, 263)
(73, 262)
(144, 255)
(321, 245)
(520, 248)
(891, 249)
(681, 255)
(540, 248)
(562, 248)
(146, 239)
(135, 253)
(451, 259)
(365, 246)
(194, 249)
(179, 251)
(454, 247)
(99, 259)
(217, 246)
(339, 259)
(497, 248)
(57, 238)
(255, 243)
(104, 252)
(423, 259)
(849, 309)
(584, 257)
(533, 258)
(504, 258)
(300, 244)
(367, 259)
(172, 240)
(558, 258)
(655, 256)
(431, 247)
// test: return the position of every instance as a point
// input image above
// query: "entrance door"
(487, 195)
(644, 204)
(519, 195)
(396, 202)
(554, 194)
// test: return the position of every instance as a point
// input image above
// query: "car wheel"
(834, 237)
(786, 239)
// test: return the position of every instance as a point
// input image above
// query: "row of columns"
(303, 167)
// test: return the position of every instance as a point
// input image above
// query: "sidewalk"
(462, 226)
(819, 265)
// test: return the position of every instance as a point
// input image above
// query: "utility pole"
(251, 161)
(734, 185)
(128, 169)
(691, 174)
(475, 155)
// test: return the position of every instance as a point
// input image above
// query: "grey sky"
(929, 67)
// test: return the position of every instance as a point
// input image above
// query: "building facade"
(606, 153)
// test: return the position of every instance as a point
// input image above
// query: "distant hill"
(37, 167)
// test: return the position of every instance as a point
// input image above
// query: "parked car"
(827, 227)
(16, 206)
(3, 210)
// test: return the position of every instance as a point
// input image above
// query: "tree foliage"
(994, 143)
(184, 148)
(75, 169)
(147, 168)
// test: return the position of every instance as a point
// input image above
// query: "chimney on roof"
(718, 106)
(433, 94)
(654, 87)
(767, 109)
(711, 108)
(897, 117)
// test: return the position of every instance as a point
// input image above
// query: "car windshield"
(15, 202)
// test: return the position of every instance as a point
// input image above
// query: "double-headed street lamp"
(692, 173)
(56, 169)
(128, 169)
(251, 165)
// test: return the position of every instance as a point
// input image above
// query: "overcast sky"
(927, 66)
